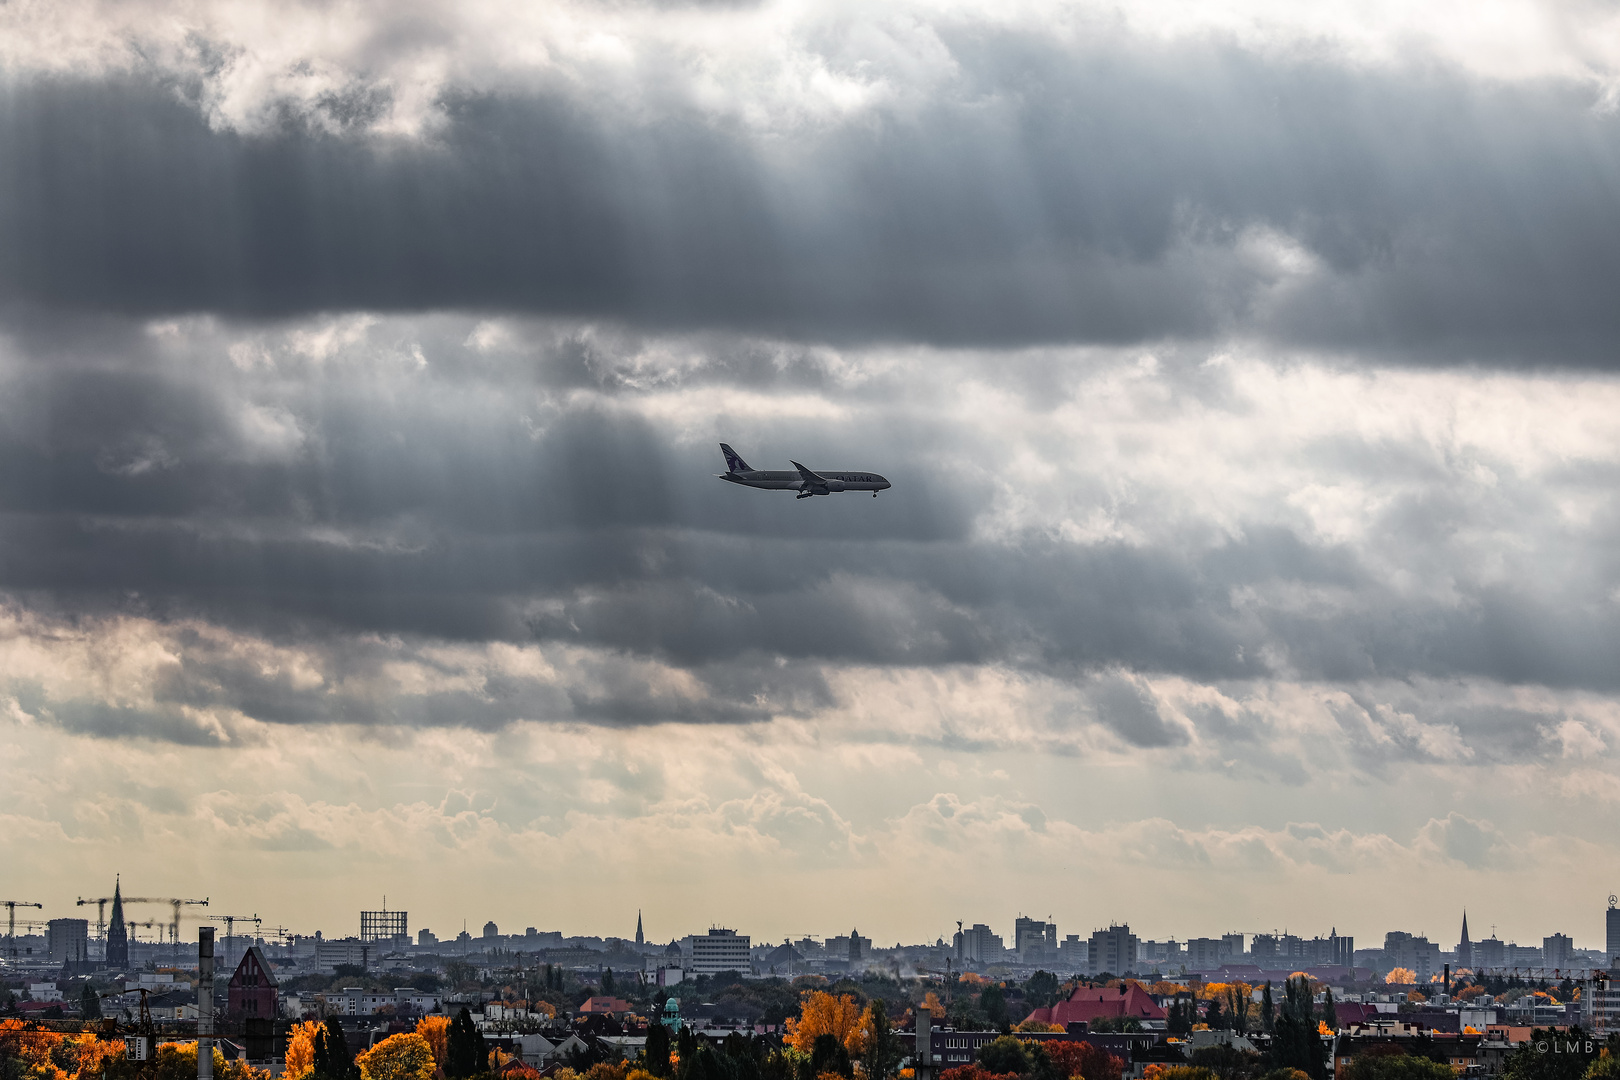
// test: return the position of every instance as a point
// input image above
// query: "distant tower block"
(384, 925)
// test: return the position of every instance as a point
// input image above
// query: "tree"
(1400, 977)
(883, 1053)
(828, 1055)
(1072, 1059)
(824, 1014)
(1004, 1055)
(299, 1059)
(1227, 1062)
(436, 1030)
(994, 1004)
(1212, 1015)
(465, 1051)
(406, 1056)
(1397, 1067)
(607, 981)
(655, 1054)
(1041, 989)
(332, 1059)
(1295, 1042)
(1606, 1067)
(1553, 1055)
(1268, 1011)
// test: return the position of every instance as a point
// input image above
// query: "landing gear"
(874, 494)
(804, 495)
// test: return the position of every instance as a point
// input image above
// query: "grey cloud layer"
(1115, 192)
(333, 485)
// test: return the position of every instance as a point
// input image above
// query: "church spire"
(1465, 948)
(640, 940)
(117, 933)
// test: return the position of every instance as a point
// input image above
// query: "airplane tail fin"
(733, 462)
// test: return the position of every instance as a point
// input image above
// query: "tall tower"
(117, 933)
(640, 940)
(1612, 925)
(1465, 948)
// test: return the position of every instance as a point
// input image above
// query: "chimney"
(205, 1003)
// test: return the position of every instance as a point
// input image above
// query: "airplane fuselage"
(792, 481)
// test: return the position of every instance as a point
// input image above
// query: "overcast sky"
(1247, 376)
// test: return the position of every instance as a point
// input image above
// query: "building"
(330, 955)
(426, 938)
(979, 946)
(1415, 953)
(855, 952)
(1207, 954)
(1036, 942)
(385, 926)
(718, 950)
(1088, 1004)
(491, 931)
(117, 933)
(1612, 925)
(251, 993)
(67, 942)
(1490, 953)
(1558, 952)
(1112, 950)
(1465, 948)
(640, 940)
(1072, 954)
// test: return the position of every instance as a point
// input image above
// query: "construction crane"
(174, 902)
(11, 922)
(230, 922)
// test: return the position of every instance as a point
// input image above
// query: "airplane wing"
(809, 477)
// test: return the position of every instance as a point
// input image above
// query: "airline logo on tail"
(733, 462)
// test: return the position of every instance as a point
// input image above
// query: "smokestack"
(205, 1003)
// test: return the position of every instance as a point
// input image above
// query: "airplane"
(805, 482)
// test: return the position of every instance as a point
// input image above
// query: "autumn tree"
(1400, 977)
(1073, 1059)
(299, 1059)
(406, 1056)
(436, 1030)
(824, 1014)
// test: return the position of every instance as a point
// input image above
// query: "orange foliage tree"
(299, 1060)
(823, 1014)
(1401, 977)
(1083, 1059)
(406, 1056)
(436, 1030)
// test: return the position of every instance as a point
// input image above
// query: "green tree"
(655, 1054)
(883, 1052)
(1212, 1015)
(607, 981)
(332, 1059)
(1606, 1067)
(1553, 1055)
(1397, 1067)
(1041, 989)
(89, 1003)
(1268, 1011)
(828, 1055)
(1295, 1043)
(1227, 1062)
(465, 1051)
(994, 1004)
(1004, 1055)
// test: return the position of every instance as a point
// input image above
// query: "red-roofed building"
(608, 1005)
(1089, 1004)
(251, 993)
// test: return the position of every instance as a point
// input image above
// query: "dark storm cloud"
(1104, 194)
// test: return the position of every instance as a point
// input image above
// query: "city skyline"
(1245, 375)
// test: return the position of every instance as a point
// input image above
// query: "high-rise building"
(1465, 948)
(1557, 951)
(854, 946)
(979, 945)
(1612, 925)
(1112, 950)
(718, 950)
(385, 926)
(117, 933)
(67, 941)
(1034, 940)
